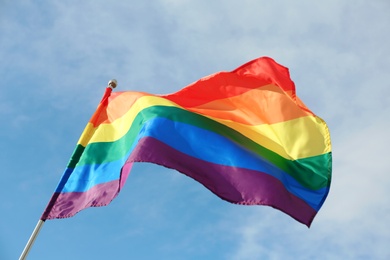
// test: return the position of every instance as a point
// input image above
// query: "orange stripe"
(119, 104)
(225, 89)
(266, 105)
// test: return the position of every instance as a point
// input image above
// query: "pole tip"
(113, 83)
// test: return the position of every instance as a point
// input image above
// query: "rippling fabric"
(243, 134)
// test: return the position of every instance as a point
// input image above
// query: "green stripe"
(312, 172)
(77, 153)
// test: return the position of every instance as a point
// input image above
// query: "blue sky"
(57, 57)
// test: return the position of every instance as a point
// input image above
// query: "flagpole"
(31, 240)
(111, 84)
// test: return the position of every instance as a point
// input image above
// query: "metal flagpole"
(31, 240)
(111, 84)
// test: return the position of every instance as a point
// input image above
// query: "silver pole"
(111, 84)
(31, 240)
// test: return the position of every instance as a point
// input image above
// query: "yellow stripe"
(87, 135)
(118, 128)
(287, 138)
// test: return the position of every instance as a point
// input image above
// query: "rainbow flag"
(243, 134)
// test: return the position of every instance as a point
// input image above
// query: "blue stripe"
(195, 142)
(211, 147)
(82, 178)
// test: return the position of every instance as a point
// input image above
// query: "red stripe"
(254, 74)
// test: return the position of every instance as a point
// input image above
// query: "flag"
(243, 134)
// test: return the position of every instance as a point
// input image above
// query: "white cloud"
(353, 221)
(337, 52)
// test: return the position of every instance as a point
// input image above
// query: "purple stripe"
(233, 184)
(65, 205)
